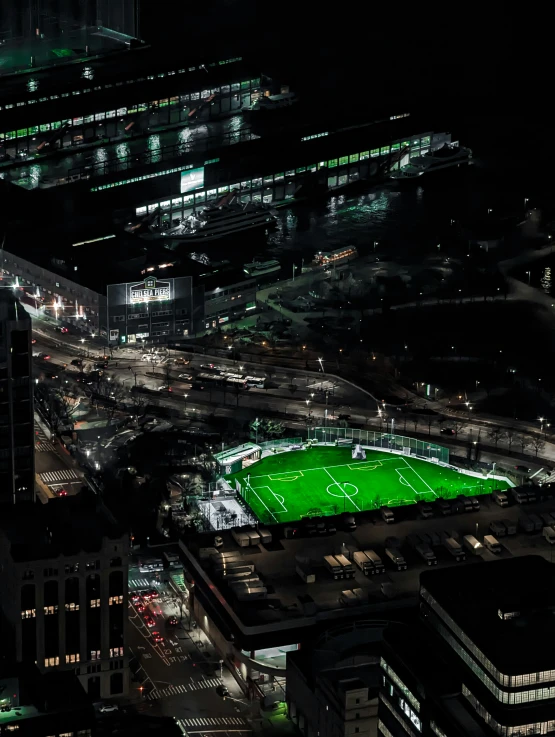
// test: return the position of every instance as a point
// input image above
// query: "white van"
(472, 545)
(492, 544)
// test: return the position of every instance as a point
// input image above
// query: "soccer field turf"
(288, 486)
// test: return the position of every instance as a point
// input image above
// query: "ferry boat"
(223, 219)
(261, 268)
(445, 157)
(268, 104)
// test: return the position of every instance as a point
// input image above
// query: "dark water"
(496, 345)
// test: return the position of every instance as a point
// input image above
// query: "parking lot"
(277, 564)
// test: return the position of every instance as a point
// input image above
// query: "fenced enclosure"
(279, 443)
(384, 441)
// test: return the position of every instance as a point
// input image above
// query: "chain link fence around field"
(385, 441)
(279, 443)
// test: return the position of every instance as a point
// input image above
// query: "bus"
(236, 381)
(257, 382)
(151, 565)
(172, 560)
(213, 379)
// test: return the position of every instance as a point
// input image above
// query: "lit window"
(116, 652)
(95, 654)
(73, 658)
(72, 607)
(51, 662)
(94, 603)
(50, 610)
(28, 614)
(115, 600)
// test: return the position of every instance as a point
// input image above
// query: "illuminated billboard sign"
(192, 179)
(151, 290)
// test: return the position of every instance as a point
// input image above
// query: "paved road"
(54, 468)
(307, 401)
(180, 676)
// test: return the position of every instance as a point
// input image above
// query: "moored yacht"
(445, 157)
(261, 268)
(225, 218)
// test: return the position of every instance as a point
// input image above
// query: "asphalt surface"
(315, 393)
(179, 677)
(56, 470)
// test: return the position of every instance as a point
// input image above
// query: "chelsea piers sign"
(151, 290)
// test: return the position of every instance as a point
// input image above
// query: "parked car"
(157, 637)
(444, 506)
(149, 621)
(108, 708)
(59, 329)
(447, 431)
(172, 622)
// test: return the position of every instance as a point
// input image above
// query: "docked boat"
(223, 219)
(445, 157)
(261, 268)
(269, 104)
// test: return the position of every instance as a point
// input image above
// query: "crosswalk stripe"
(44, 446)
(52, 477)
(139, 582)
(213, 721)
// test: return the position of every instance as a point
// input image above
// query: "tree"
(415, 421)
(67, 406)
(458, 426)
(538, 444)
(496, 434)
(292, 388)
(139, 402)
(511, 436)
(237, 391)
(266, 429)
(524, 442)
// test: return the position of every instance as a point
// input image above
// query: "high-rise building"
(17, 464)
(479, 662)
(63, 577)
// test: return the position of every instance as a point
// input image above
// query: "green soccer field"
(323, 480)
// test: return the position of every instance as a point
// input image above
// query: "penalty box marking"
(279, 499)
(285, 476)
(262, 501)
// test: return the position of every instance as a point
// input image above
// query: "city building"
(255, 635)
(477, 663)
(63, 575)
(17, 440)
(333, 683)
(34, 704)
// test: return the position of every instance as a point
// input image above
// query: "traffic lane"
(60, 478)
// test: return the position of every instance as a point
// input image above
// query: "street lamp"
(185, 397)
(541, 420)
(529, 273)
(321, 362)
